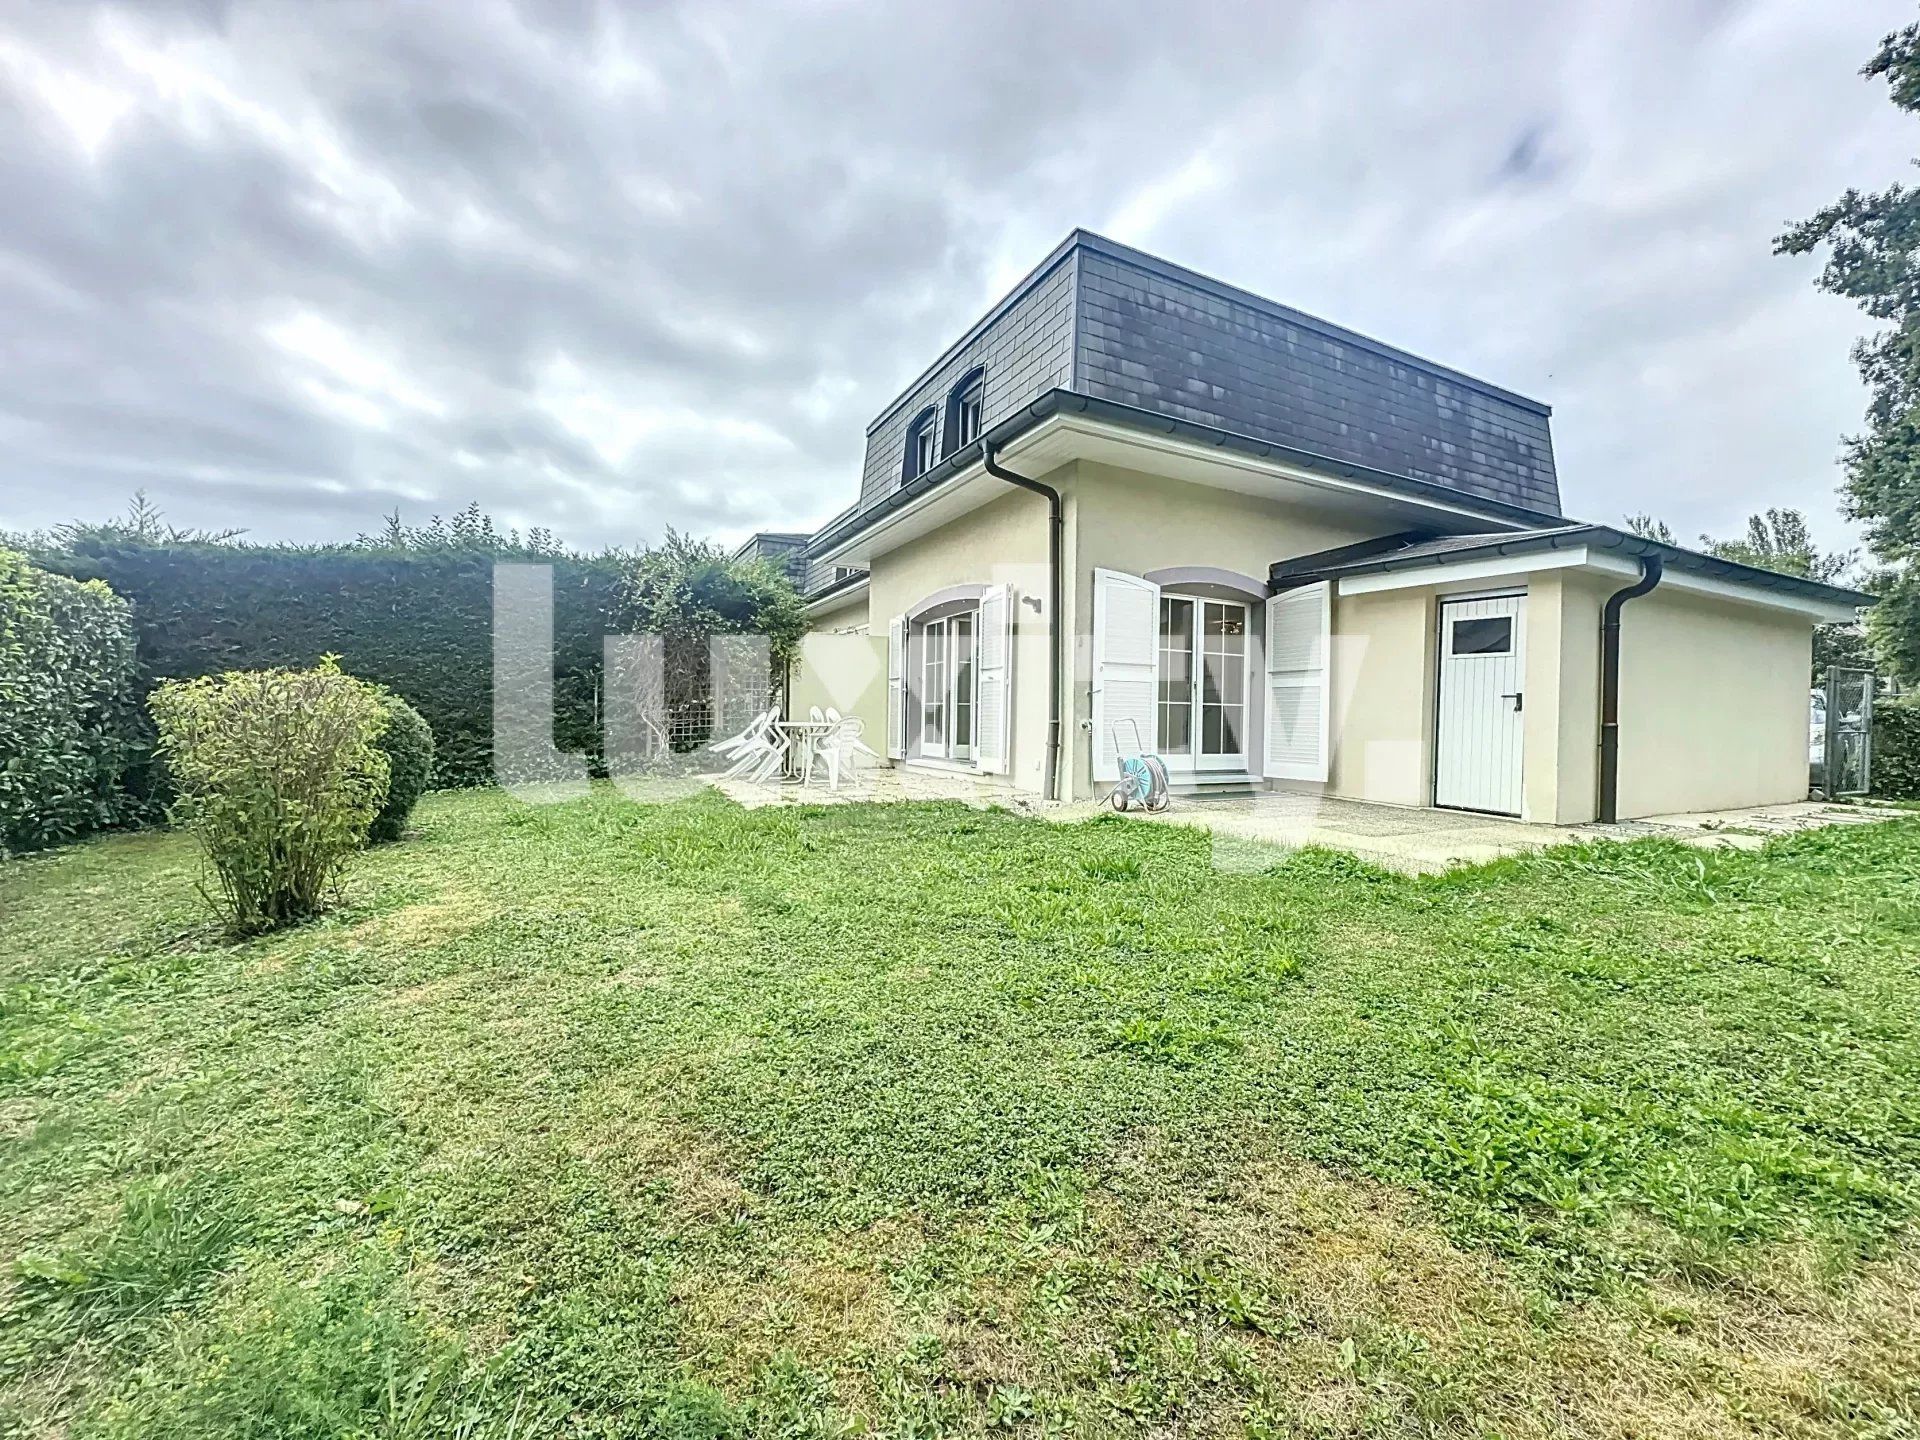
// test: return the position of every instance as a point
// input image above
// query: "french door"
(1202, 701)
(946, 687)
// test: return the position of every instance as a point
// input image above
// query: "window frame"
(1205, 663)
(953, 630)
(968, 393)
(922, 450)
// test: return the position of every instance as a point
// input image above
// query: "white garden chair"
(840, 748)
(809, 744)
(759, 748)
(762, 759)
(734, 744)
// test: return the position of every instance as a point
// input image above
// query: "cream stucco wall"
(1713, 708)
(1004, 542)
(1382, 703)
(1713, 704)
(1559, 745)
(842, 665)
(1713, 701)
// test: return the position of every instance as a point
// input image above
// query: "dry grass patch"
(1244, 1292)
(450, 916)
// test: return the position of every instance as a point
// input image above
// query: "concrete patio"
(1397, 838)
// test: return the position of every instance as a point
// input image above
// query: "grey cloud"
(609, 268)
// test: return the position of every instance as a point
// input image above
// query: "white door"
(1482, 666)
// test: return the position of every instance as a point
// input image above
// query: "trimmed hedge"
(1896, 748)
(68, 726)
(418, 622)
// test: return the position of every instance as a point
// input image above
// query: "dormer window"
(964, 407)
(923, 445)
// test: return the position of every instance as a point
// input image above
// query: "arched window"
(923, 445)
(964, 405)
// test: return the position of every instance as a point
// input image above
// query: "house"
(785, 550)
(1133, 508)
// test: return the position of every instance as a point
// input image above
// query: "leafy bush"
(1896, 748)
(67, 724)
(278, 774)
(686, 591)
(407, 742)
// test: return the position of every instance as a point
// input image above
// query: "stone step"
(1224, 784)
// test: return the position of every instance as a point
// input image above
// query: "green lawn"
(604, 1119)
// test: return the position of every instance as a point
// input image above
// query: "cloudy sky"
(290, 266)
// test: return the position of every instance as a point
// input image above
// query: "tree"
(1872, 246)
(1648, 528)
(687, 591)
(1780, 540)
(143, 524)
(470, 530)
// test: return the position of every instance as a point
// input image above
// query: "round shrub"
(407, 742)
(278, 774)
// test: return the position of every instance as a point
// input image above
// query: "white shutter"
(1298, 624)
(896, 688)
(1126, 656)
(993, 708)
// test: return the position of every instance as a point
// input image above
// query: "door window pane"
(1491, 636)
(934, 687)
(962, 699)
(1176, 677)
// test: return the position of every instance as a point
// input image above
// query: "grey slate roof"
(1165, 339)
(1112, 323)
(786, 549)
(1413, 551)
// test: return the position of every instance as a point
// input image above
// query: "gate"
(1844, 765)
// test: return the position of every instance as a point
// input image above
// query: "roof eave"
(1061, 401)
(1587, 537)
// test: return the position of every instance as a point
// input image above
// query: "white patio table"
(800, 735)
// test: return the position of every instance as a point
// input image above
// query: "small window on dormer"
(923, 445)
(964, 407)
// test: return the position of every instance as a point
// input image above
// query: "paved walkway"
(1414, 841)
(1427, 841)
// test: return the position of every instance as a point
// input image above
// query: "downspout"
(1050, 786)
(1650, 568)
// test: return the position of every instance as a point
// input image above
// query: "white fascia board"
(1496, 567)
(1061, 439)
(1580, 557)
(1825, 612)
(1230, 460)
